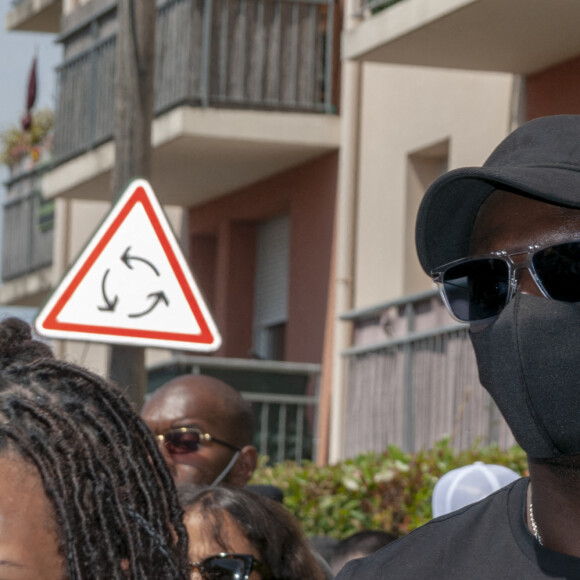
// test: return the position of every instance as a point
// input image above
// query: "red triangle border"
(51, 322)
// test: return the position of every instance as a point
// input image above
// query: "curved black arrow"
(110, 305)
(158, 297)
(127, 259)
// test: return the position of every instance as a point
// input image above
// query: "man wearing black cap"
(503, 243)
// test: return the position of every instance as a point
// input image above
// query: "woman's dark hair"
(267, 525)
(114, 501)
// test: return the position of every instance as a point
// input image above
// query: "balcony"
(27, 218)
(519, 36)
(27, 241)
(412, 379)
(34, 15)
(27, 236)
(243, 90)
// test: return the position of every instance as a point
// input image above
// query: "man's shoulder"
(447, 547)
(431, 547)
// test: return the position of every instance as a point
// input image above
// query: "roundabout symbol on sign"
(156, 297)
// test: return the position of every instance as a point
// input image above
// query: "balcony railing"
(283, 395)
(259, 54)
(27, 235)
(413, 380)
(369, 7)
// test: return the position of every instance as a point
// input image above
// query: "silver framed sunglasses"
(477, 289)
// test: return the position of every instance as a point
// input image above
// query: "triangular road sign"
(131, 285)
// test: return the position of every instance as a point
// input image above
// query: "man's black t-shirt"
(486, 540)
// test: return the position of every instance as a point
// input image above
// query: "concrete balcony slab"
(35, 15)
(518, 36)
(200, 154)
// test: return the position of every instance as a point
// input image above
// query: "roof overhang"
(35, 15)
(515, 36)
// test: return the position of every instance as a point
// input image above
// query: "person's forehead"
(202, 536)
(202, 541)
(508, 219)
(182, 402)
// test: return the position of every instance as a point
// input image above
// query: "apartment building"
(245, 154)
(461, 74)
(292, 142)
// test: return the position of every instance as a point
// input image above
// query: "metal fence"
(418, 386)
(286, 425)
(283, 395)
(27, 235)
(266, 54)
(368, 8)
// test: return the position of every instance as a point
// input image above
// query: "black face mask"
(529, 361)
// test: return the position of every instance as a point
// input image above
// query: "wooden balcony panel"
(249, 54)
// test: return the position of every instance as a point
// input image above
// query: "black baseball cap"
(540, 159)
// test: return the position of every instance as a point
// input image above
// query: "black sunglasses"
(478, 289)
(181, 440)
(230, 567)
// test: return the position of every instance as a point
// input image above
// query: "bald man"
(205, 431)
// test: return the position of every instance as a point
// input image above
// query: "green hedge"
(390, 490)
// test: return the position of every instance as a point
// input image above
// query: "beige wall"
(69, 6)
(409, 116)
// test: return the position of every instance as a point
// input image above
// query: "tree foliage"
(390, 490)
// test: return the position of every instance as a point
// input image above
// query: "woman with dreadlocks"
(84, 491)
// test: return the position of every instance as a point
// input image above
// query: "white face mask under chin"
(226, 469)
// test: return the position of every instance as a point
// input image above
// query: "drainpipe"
(325, 390)
(61, 254)
(345, 238)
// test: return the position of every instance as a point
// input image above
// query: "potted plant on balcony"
(23, 149)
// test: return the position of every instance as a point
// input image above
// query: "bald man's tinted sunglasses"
(478, 289)
(181, 440)
(230, 567)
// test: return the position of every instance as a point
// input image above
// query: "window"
(271, 288)
(423, 167)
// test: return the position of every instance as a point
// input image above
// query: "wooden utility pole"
(133, 119)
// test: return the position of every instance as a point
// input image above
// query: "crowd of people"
(91, 490)
(100, 492)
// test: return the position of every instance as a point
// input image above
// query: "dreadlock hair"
(266, 523)
(114, 500)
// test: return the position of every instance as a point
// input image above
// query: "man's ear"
(244, 467)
